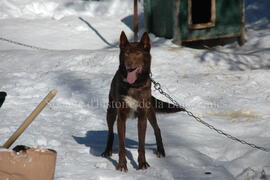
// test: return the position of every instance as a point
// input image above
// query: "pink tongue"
(132, 76)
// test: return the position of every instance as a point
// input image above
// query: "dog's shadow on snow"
(96, 141)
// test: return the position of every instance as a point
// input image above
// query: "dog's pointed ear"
(123, 40)
(145, 41)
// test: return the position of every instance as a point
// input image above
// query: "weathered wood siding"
(160, 17)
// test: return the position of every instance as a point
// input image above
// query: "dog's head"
(135, 58)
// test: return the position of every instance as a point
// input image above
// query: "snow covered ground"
(228, 87)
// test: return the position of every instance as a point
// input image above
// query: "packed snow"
(228, 87)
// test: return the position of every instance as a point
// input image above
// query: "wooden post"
(30, 118)
(241, 38)
(136, 21)
(176, 26)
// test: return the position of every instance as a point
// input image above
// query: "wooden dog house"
(193, 20)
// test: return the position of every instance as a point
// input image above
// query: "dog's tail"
(164, 107)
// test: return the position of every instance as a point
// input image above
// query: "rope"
(25, 45)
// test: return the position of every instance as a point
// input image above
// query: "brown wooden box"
(30, 164)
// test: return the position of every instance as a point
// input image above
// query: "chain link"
(22, 44)
(157, 86)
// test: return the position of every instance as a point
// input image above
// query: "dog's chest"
(132, 103)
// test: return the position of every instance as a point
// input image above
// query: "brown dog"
(131, 93)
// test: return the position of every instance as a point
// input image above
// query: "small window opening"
(202, 13)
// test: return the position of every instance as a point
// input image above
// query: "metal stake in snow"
(30, 118)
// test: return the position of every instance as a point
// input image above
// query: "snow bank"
(58, 9)
(256, 11)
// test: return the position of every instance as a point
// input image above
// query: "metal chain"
(157, 86)
(22, 44)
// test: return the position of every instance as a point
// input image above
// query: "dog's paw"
(161, 153)
(106, 154)
(122, 167)
(143, 165)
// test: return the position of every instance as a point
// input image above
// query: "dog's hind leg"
(111, 117)
(153, 121)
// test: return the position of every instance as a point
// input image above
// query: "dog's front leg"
(121, 127)
(142, 124)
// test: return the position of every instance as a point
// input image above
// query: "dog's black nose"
(2, 97)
